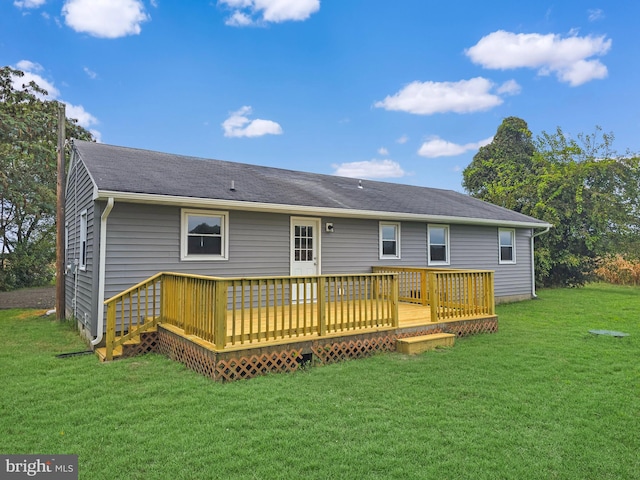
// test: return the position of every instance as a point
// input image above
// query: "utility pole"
(60, 230)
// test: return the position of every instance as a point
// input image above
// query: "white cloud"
(427, 98)
(383, 151)
(239, 125)
(28, 65)
(29, 3)
(90, 73)
(510, 87)
(369, 169)
(30, 70)
(595, 14)
(85, 119)
(437, 147)
(105, 18)
(567, 57)
(402, 140)
(238, 19)
(252, 12)
(96, 135)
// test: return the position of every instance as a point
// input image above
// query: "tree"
(28, 141)
(590, 195)
(500, 171)
(581, 186)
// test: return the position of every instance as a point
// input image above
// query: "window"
(83, 240)
(507, 245)
(438, 241)
(389, 240)
(204, 235)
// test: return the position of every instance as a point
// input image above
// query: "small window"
(507, 245)
(438, 241)
(83, 240)
(389, 240)
(204, 235)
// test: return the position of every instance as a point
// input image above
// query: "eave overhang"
(167, 200)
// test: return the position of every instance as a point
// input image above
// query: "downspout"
(533, 272)
(101, 272)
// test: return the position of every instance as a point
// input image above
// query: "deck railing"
(450, 293)
(237, 311)
(132, 312)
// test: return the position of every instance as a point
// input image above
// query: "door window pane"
(303, 243)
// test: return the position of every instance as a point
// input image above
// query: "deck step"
(126, 347)
(422, 343)
(102, 353)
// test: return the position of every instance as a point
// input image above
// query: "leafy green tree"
(28, 142)
(581, 186)
(500, 171)
(590, 195)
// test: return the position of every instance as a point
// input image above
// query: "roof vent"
(360, 184)
(233, 186)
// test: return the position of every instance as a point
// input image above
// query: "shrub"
(618, 270)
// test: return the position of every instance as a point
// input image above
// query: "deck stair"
(145, 342)
(422, 343)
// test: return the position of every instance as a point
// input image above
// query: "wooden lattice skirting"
(227, 366)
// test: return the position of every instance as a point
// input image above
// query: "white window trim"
(447, 244)
(512, 231)
(397, 256)
(84, 250)
(184, 228)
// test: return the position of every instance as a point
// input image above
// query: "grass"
(541, 399)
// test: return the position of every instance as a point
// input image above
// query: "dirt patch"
(41, 298)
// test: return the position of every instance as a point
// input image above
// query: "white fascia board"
(304, 209)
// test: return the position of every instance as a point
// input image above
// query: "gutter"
(101, 272)
(533, 272)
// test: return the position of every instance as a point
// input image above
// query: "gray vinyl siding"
(476, 247)
(143, 240)
(354, 246)
(80, 293)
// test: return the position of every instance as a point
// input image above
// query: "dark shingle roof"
(129, 170)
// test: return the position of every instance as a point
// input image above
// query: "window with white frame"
(507, 245)
(204, 235)
(83, 240)
(438, 244)
(389, 240)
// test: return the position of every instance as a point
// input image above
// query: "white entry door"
(305, 256)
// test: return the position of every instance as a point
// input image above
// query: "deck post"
(395, 293)
(322, 307)
(111, 330)
(491, 295)
(220, 314)
(423, 288)
(434, 301)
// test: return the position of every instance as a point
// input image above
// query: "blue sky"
(402, 91)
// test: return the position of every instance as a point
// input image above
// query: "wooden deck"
(227, 315)
(410, 316)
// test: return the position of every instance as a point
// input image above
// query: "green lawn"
(543, 398)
